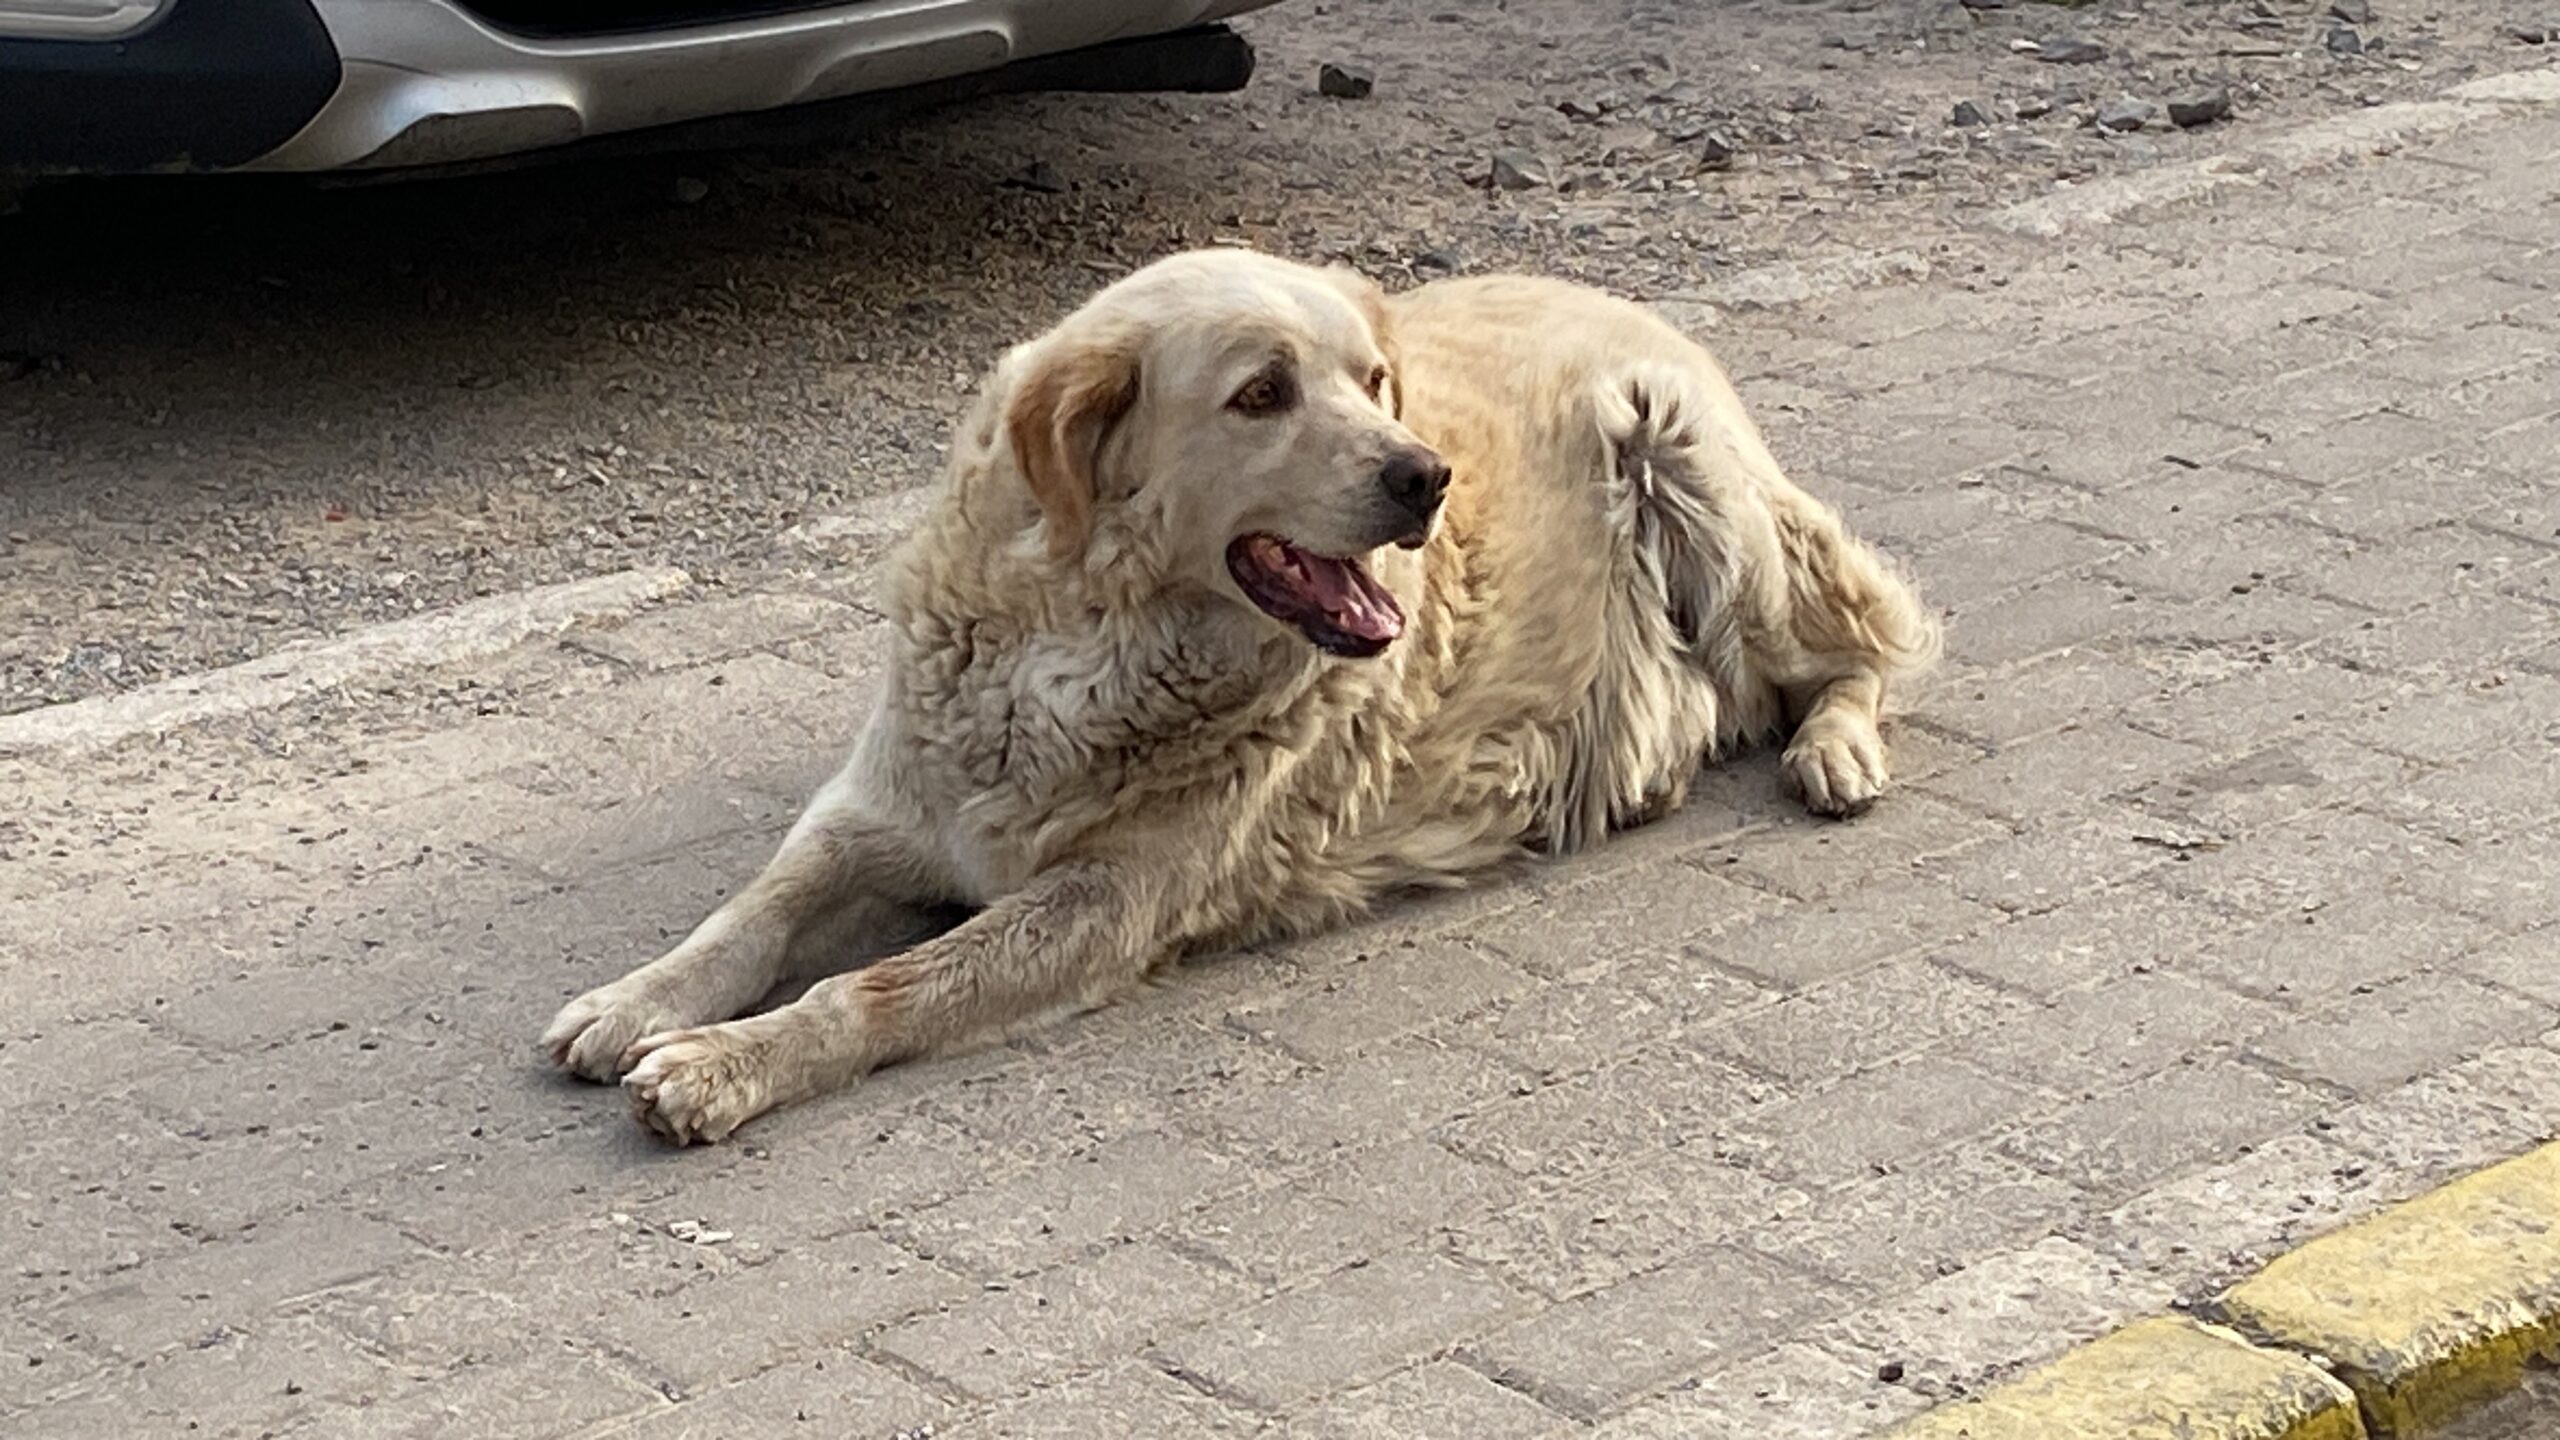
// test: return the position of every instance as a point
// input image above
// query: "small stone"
(2344, 41)
(1519, 170)
(691, 191)
(2069, 50)
(1986, 4)
(1040, 177)
(2035, 107)
(1716, 150)
(2199, 107)
(1344, 82)
(1445, 262)
(2354, 12)
(1890, 1372)
(2126, 115)
(2530, 33)
(1968, 115)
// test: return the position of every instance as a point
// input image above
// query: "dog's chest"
(1024, 744)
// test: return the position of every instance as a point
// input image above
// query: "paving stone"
(183, 1298)
(1795, 1392)
(1869, 1123)
(2528, 964)
(1624, 1221)
(2267, 788)
(1665, 1096)
(2162, 1126)
(786, 1397)
(680, 636)
(2211, 1229)
(1663, 907)
(2063, 774)
(2458, 1120)
(2228, 557)
(1369, 1101)
(1131, 1399)
(2005, 709)
(2050, 865)
(2319, 860)
(2501, 792)
(1859, 1020)
(1010, 1337)
(1062, 1103)
(1818, 940)
(1816, 861)
(1044, 1216)
(276, 1378)
(2098, 1038)
(2308, 955)
(2448, 641)
(2453, 725)
(1348, 1210)
(1401, 989)
(2388, 1033)
(2423, 567)
(1351, 1328)
(2005, 558)
(1960, 1335)
(2051, 617)
(1600, 1350)
(2094, 940)
(1930, 1215)
(1440, 1398)
(1565, 1027)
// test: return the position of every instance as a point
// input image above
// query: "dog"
(1252, 595)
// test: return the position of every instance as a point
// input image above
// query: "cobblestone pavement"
(2217, 908)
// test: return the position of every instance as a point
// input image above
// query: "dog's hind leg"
(1851, 628)
(1076, 935)
(848, 878)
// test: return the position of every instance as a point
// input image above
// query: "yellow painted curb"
(2399, 1323)
(2161, 1379)
(2431, 1307)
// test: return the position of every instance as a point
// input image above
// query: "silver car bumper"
(424, 83)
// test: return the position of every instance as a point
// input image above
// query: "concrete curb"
(2377, 131)
(466, 632)
(2389, 1327)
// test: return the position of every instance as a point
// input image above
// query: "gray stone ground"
(2217, 908)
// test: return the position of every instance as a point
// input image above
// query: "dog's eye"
(1268, 393)
(1377, 382)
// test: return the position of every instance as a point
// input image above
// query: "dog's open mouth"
(1332, 602)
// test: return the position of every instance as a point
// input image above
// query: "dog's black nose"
(1415, 479)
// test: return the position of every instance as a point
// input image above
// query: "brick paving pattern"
(2217, 907)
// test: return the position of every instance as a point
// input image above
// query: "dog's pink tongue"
(1352, 602)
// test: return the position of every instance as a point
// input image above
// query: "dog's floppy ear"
(1060, 410)
(1371, 301)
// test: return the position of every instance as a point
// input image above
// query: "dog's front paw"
(1838, 769)
(590, 1034)
(691, 1085)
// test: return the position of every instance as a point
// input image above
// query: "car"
(138, 86)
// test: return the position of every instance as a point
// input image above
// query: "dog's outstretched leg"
(846, 881)
(1078, 934)
(1854, 627)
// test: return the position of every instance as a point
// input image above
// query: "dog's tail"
(1832, 599)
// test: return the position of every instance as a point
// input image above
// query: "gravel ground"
(234, 413)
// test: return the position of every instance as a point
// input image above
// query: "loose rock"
(1968, 115)
(1716, 150)
(2199, 107)
(2343, 41)
(1519, 170)
(2354, 12)
(2125, 115)
(1039, 177)
(1344, 82)
(2069, 50)
(2035, 107)
(2530, 33)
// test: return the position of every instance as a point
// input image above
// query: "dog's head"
(1234, 420)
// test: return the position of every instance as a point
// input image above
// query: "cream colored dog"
(1252, 596)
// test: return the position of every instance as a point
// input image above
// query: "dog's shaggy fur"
(1193, 650)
